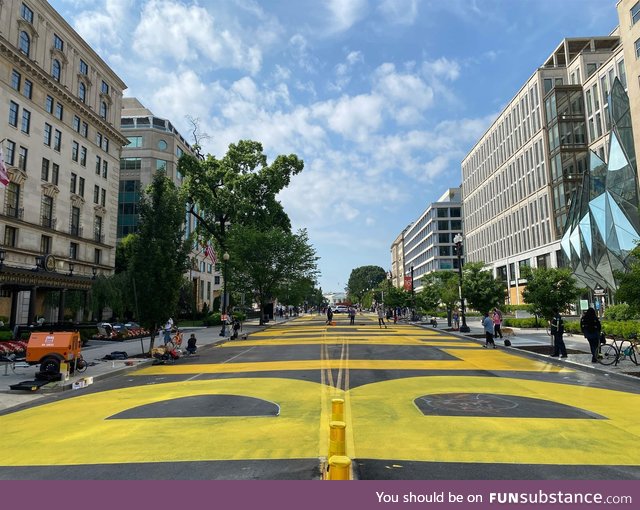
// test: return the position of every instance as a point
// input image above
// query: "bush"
(241, 316)
(529, 322)
(624, 329)
(212, 320)
(6, 335)
(621, 312)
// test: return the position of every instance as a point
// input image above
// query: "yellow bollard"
(336, 438)
(337, 409)
(339, 468)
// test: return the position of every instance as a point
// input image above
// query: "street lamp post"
(225, 299)
(458, 241)
(413, 299)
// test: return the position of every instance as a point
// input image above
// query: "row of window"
(11, 235)
(24, 45)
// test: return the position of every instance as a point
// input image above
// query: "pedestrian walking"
(497, 323)
(352, 315)
(556, 325)
(381, 317)
(487, 323)
(591, 328)
(329, 316)
(456, 320)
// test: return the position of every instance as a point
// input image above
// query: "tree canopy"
(480, 289)
(239, 189)
(266, 261)
(549, 288)
(363, 279)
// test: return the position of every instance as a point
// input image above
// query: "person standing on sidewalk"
(487, 323)
(352, 315)
(329, 315)
(591, 327)
(497, 323)
(557, 331)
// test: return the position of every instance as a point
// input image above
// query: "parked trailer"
(50, 349)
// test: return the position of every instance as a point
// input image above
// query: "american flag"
(4, 177)
(210, 252)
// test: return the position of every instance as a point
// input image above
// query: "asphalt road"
(419, 404)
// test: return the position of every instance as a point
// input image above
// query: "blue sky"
(381, 99)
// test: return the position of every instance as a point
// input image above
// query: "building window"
(55, 69)
(22, 158)
(47, 212)
(103, 197)
(76, 123)
(57, 140)
(622, 73)
(97, 256)
(24, 43)
(83, 156)
(81, 187)
(27, 90)
(105, 168)
(99, 139)
(13, 200)
(84, 130)
(59, 111)
(55, 171)
(13, 113)
(161, 166)
(26, 121)
(84, 68)
(73, 251)
(82, 92)
(130, 163)
(48, 104)
(10, 236)
(11, 152)
(26, 13)
(105, 144)
(162, 145)
(74, 227)
(98, 164)
(44, 174)
(97, 229)
(15, 80)
(96, 194)
(135, 142)
(104, 88)
(635, 13)
(74, 179)
(58, 43)
(103, 110)
(637, 48)
(47, 134)
(45, 244)
(74, 151)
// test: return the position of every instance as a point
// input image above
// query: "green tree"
(124, 250)
(239, 189)
(480, 289)
(160, 253)
(549, 288)
(440, 288)
(363, 279)
(629, 281)
(265, 261)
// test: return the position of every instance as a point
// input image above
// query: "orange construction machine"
(51, 349)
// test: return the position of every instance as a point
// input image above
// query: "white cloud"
(345, 13)
(354, 118)
(186, 34)
(441, 68)
(104, 27)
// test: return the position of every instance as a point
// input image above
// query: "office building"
(519, 179)
(428, 242)
(154, 145)
(60, 113)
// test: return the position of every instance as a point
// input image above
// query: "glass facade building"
(603, 223)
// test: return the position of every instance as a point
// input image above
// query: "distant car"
(341, 309)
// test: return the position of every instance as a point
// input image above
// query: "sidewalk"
(99, 368)
(579, 354)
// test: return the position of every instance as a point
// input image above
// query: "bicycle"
(617, 351)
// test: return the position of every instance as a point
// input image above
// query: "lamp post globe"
(458, 242)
